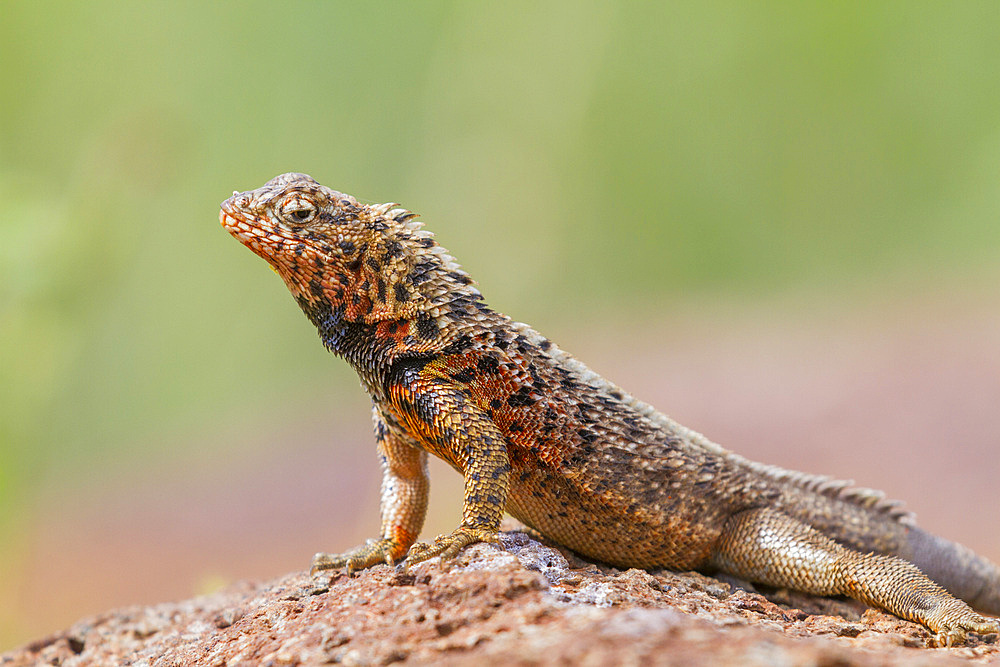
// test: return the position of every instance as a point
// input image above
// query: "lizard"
(539, 435)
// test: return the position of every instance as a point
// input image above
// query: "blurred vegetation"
(574, 156)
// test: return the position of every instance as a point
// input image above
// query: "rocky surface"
(526, 603)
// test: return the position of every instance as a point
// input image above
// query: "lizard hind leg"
(769, 547)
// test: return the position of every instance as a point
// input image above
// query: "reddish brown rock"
(528, 604)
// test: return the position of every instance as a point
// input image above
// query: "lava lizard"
(538, 434)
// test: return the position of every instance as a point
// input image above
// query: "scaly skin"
(538, 434)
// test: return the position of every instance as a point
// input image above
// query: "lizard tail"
(966, 575)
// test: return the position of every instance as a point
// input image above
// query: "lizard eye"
(298, 211)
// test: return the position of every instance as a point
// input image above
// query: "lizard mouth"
(233, 217)
(229, 215)
(248, 231)
(229, 221)
(237, 224)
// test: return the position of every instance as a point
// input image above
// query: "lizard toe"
(449, 546)
(954, 629)
(372, 553)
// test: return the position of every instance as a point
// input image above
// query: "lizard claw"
(322, 561)
(448, 546)
(954, 622)
(374, 552)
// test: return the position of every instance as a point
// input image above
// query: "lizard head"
(370, 263)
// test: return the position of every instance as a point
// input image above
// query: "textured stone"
(527, 604)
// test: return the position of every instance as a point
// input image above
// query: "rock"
(525, 603)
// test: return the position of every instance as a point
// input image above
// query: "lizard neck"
(418, 302)
(372, 349)
(356, 342)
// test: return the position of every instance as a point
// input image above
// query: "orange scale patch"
(395, 330)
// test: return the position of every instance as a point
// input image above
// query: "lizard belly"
(625, 531)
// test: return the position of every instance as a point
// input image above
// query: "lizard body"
(538, 434)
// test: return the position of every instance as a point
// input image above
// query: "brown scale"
(535, 432)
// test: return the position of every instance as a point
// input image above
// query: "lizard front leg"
(769, 547)
(405, 489)
(447, 423)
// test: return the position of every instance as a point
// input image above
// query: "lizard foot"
(385, 550)
(952, 620)
(448, 546)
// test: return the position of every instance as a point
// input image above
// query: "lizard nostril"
(235, 202)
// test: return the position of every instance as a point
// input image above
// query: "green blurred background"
(591, 164)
